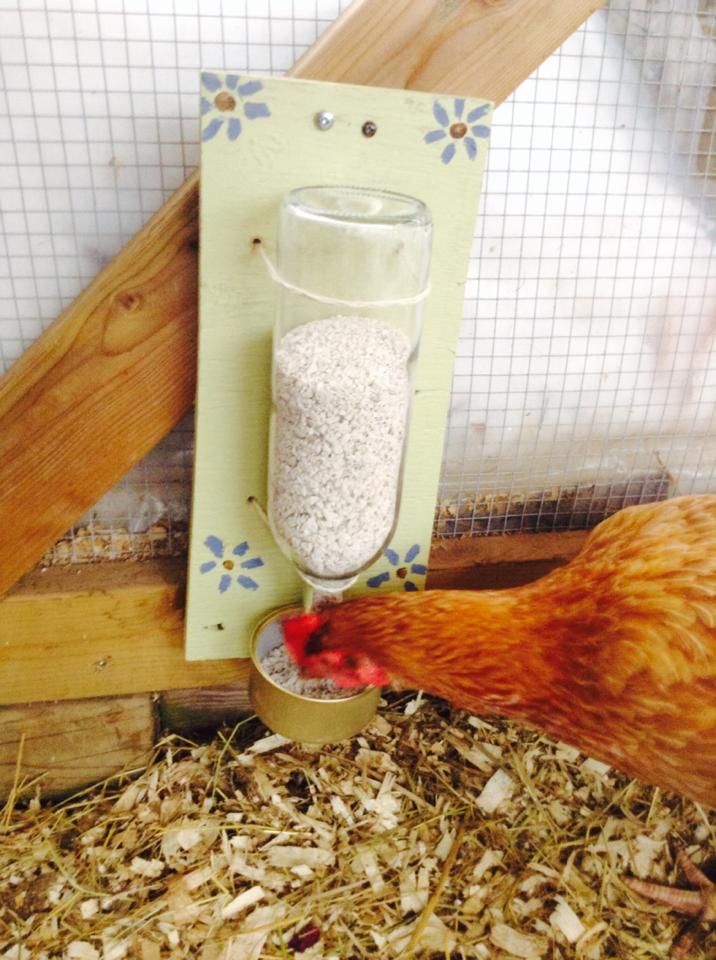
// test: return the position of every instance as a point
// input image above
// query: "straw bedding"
(433, 834)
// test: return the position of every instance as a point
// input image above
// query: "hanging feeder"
(352, 274)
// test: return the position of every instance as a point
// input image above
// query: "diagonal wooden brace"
(116, 370)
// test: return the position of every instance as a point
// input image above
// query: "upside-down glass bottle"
(352, 272)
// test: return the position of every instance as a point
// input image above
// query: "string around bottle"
(279, 279)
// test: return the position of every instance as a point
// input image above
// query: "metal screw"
(369, 129)
(324, 120)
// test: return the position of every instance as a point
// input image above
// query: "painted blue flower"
(226, 565)
(457, 129)
(402, 571)
(224, 99)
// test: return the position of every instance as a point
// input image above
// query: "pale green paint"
(242, 182)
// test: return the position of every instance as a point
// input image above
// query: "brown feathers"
(614, 653)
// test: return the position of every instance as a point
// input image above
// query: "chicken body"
(614, 653)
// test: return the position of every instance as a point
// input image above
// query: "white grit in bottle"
(341, 395)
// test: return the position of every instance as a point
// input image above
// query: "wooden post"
(116, 371)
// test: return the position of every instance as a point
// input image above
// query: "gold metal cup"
(305, 719)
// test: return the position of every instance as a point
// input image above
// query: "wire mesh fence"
(585, 375)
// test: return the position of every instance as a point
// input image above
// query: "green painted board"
(259, 140)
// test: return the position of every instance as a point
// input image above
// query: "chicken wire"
(585, 373)
(585, 377)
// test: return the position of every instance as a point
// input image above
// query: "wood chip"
(293, 856)
(272, 742)
(496, 791)
(521, 945)
(147, 868)
(566, 921)
(242, 902)
(81, 950)
(89, 909)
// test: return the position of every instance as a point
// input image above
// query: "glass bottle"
(352, 274)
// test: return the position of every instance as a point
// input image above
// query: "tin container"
(305, 719)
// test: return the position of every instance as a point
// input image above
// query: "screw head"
(369, 129)
(324, 120)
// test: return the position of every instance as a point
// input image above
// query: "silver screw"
(324, 120)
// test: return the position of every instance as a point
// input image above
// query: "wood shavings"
(596, 766)
(489, 859)
(244, 900)
(566, 921)
(519, 944)
(272, 742)
(412, 706)
(255, 931)
(366, 862)
(295, 856)
(147, 868)
(81, 950)
(250, 847)
(496, 791)
(435, 936)
(559, 508)
(89, 909)
(94, 542)
(414, 890)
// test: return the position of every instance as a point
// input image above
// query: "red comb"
(296, 632)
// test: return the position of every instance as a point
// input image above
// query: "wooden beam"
(116, 370)
(100, 630)
(118, 628)
(481, 48)
(449, 554)
(58, 748)
(494, 563)
(99, 388)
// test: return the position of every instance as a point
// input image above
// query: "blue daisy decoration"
(225, 101)
(403, 569)
(227, 565)
(458, 127)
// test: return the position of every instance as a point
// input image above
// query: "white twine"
(278, 278)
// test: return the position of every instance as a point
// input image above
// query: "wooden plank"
(100, 630)
(497, 576)
(117, 628)
(452, 553)
(481, 48)
(60, 748)
(203, 708)
(495, 563)
(116, 370)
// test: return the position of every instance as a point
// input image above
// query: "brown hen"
(614, 653)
